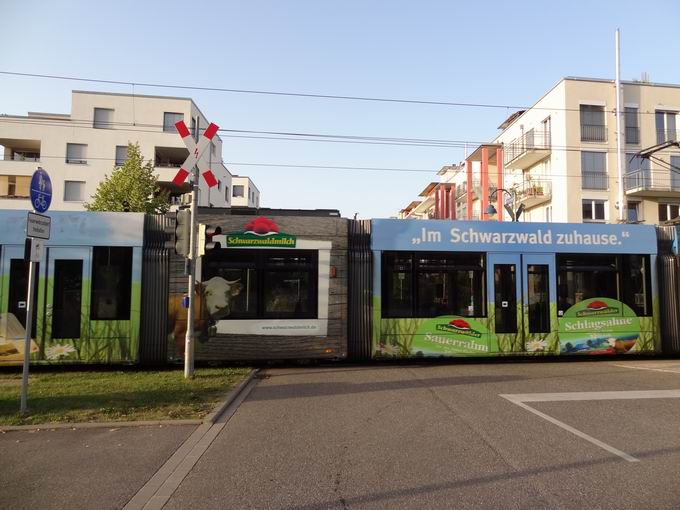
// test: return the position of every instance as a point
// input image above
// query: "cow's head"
(218, 294)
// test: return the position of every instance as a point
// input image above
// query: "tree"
(132, 186)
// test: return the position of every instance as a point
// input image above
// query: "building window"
(238, 190)
(548, 214)
(634, 213)
(103, 118)
(169, 121)
(668, 212)
(631, 122)
(546, 128)
(14, 186)
(121, 154)
(593, 210)
(193, 127)
(666, 126)
(111, 283)
(593, 128)
(433, 284)
(593, 170)
(76, 153)
(226, 193)
(260, 284)
(675, 173)
(74, 191)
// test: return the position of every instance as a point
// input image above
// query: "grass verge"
(109, 395)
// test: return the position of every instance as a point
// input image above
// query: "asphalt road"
(441, 437)
(500, 435)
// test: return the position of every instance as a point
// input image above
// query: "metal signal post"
(196, 148)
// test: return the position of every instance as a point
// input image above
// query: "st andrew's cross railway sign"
(195, 152)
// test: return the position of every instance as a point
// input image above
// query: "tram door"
(538, 291)
(14, 293)
(67, 304)
(527, 281)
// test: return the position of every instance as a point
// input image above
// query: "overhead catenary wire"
(315, 137)
(134, 84)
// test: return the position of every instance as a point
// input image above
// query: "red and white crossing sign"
(196, 150)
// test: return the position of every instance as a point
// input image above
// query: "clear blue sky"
(481, 52)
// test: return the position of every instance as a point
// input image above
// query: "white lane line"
(649, 368)
(574, 431)
(591, 395)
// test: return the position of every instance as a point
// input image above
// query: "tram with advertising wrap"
(310, 285)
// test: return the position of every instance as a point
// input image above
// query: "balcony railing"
(666, 135)
(35, 158)
(593, 133)
(528, 142)
(632, 135)
(652, 180)
(594, 180)
(533, 192)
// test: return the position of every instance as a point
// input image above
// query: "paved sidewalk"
(82, 468)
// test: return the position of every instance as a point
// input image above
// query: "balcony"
(527, 150)
(168, 161)
(532, 193)
(594, 180)
(652, 183)
(27, 151)
(593, 133)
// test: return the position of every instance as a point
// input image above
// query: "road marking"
(519, 399)
(160, 488)
(677, 371)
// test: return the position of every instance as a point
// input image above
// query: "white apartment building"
(244, 192)
(559, 157)
(80, 148)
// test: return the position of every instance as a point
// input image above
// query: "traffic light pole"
(189, 340)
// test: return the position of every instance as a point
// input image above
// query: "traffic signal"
(183, 232)
(205, 235)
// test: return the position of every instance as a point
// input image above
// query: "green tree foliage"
(135, 183)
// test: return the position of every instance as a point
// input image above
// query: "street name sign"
(38, 226)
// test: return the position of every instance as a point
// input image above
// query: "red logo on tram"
(262, 226)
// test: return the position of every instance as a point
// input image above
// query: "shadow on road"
(349, 502)
(326, 389)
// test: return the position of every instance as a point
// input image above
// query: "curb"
(229, 398)
(210, 418)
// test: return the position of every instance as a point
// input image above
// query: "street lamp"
(514, 213)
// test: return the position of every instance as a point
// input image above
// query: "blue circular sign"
(41, 191)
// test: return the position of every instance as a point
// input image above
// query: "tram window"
(288, 289)
(111, 283)
(637, 284)
(539, 299)
(505, 291)
(67, 298)
(265, 284)
(433, 284)
(584, 277)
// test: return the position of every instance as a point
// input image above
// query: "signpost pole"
(37, 226)
(27, 338)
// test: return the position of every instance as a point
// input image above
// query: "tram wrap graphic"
(602, 326)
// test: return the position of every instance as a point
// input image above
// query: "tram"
(458, 288)
(302, 285)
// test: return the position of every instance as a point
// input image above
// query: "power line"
(312, 137)
(294, 94)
